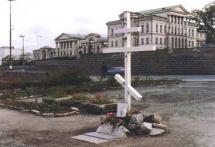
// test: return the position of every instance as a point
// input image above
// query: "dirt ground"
(187, 108)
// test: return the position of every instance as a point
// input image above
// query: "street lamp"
(23, 49)
(10, 38)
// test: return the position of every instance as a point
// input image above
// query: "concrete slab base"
(96, 138)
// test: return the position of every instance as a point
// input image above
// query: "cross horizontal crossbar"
(132, 49)
(128, 30)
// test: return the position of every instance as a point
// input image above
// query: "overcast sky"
(41, 21)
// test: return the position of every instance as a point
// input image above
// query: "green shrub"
(111, 82)
(66, 78)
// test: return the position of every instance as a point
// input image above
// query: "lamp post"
(23, 49)
(10, 37)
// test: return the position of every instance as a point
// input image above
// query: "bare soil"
(187, 108)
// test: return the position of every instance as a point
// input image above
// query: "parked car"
(115, 70)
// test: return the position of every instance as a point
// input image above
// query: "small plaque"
(122, 109)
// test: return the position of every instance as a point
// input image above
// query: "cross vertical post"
(127, 62)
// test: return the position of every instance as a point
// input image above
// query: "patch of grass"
(80, 98)
(150, 82)
(13, 94)
(56, 92)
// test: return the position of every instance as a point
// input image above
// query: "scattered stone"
(35, 112)
(144, 129)
(105, 129)
(26, 110)
(74, 109)
(66, 114)
(16, 108)
(59, 114)
(108, 129)
(120, 131)
(132, 126)
(48, 114)
(152, 118)
(156, 132)
(159, 126)
(137, 118)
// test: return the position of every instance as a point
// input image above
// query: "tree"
(205, 19)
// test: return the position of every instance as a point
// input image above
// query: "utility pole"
(23, 49)
(10, 38)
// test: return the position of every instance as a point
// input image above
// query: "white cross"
(126, 83)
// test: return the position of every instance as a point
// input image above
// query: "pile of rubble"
(136, 124)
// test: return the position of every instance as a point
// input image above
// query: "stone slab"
(96, 138)
(89, 139)
(102, 136)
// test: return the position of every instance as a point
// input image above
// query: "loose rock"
(137, 118)
(74, 109)
(35, 112)
(144, 129)
(152, 118)
(159, 126)
(120, 131)
(156, 132)
(105, 129)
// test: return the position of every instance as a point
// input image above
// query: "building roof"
(77, 36)
(163, 9)
(113, 22)
(48, 47)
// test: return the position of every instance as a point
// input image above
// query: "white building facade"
(74, 44)
(43, 53)
(167, 27)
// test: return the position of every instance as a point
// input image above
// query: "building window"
(111, 32)
(172, 30)
(70, 44)
(111, 43)
(156, 40)
(182, 31)
(165, 41)
(192, 33)
(178, 31)
(161, 29)
(172, 42)
(85, 51)
(116, 43)
(192, 43)
(142, 41)
(161, 41)
(189, 44)
(136, 43)
(189, 32)
(156, 28)
(142, 29)
(175, 31)
(178, 20)
(147, 40)
(164, 29)
(147, 28)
